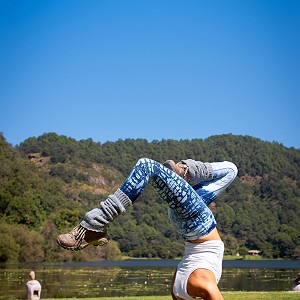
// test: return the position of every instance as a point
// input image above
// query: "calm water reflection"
(136, 277)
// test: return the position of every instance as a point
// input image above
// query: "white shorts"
(207, 255)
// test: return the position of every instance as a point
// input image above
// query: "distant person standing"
(33, 288)
(296, 285)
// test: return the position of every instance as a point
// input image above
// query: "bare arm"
(202, 282)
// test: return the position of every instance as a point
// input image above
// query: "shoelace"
(184, 167)
(79, 233)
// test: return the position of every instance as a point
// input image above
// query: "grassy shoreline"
(226, 295)
(226, 257)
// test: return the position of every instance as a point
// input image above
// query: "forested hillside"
(48, 182)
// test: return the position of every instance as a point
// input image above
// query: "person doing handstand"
(188, 187)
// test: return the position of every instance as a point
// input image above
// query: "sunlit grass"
(226, 295)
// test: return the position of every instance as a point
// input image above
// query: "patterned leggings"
(188, 210)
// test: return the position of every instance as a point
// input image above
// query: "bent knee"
(144, 160)
(230, 165)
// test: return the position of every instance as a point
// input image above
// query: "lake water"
(138, 277)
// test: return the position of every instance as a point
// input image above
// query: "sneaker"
(80, 237)
(179, 168)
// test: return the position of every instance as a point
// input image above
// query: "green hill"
(48, 182)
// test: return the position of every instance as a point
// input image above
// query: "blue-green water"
(138, 277)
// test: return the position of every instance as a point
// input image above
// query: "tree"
(9, 248)
(47, 183)
(283, 244)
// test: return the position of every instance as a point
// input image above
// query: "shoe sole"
(100, 242)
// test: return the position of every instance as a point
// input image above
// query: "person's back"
(33, 288)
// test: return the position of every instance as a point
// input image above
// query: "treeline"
(47, 183)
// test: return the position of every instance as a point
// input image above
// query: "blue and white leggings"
(188, 205)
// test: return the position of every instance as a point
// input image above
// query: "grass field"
(226, 295)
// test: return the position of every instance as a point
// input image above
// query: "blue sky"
(157, 69)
